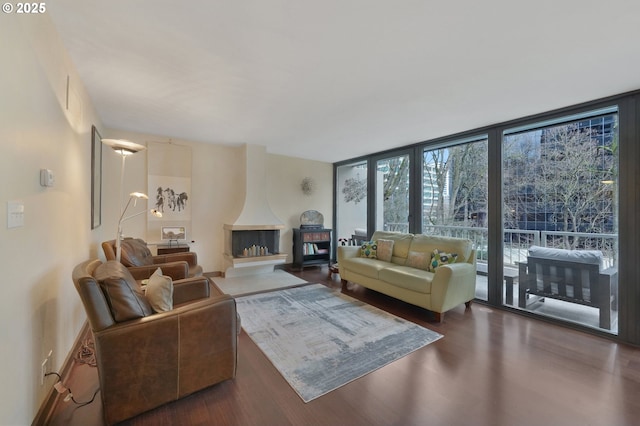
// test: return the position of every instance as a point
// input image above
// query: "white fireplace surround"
(256, 215)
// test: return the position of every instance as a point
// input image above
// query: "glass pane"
(560, 191)
(454, 198)
(351, 203)
(392, 194)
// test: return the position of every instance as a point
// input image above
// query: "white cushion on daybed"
(593, 257)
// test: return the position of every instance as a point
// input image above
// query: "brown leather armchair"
(147, 359)
(136, 256)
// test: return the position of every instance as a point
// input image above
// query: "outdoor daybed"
(575, 276)
(433, 272)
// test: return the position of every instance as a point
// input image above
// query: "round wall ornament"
(308, 185)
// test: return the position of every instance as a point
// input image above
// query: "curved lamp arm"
(133, 196)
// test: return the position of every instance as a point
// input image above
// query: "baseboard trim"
(46, 409)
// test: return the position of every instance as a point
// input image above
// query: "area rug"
(320, 339)
(259, 283)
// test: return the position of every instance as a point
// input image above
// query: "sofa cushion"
(369, 250)
(593, 257)
(123, 293)
(428, 243)
(401, 243)
(385, 249)
(419, 260)
(439, 258)
(408, 278)
(364, 266)
(159, 292)
(134, 252)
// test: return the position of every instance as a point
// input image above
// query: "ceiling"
(335, 79)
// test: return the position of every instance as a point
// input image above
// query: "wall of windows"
(562, 179)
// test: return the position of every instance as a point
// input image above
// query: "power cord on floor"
(86, 353)
(59, 387)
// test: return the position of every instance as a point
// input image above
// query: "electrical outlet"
(45, 367)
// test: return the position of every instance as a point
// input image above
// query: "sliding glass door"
(351, 203)
(392, 193)
(560, 186)
(454, 196)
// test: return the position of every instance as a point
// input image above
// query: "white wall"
(39, 308)
(217, 193)
(218, 190)
(287, 199)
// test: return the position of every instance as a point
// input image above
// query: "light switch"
(15, 214)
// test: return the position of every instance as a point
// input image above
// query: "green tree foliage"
(395, 193)
(457, 177)
(556, 179)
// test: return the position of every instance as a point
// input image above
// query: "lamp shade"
(139, 195)
(123, 147)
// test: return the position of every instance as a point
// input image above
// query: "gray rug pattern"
(320, 339)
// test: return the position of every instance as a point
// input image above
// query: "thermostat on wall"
(46, 177)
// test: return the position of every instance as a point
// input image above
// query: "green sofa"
(405, 276)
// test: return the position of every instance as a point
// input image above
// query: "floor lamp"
(125, 149)
(133, 196)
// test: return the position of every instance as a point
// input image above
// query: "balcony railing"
(518, 241)
(396, 227)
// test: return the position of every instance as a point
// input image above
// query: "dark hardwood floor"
(491, 368)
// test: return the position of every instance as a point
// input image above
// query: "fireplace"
(252, 241)
(255, 243)
(252, 249)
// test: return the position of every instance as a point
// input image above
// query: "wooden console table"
(172, 248)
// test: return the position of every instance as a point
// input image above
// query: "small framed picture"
(173, 233)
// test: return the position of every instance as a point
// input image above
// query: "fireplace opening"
(255, 243)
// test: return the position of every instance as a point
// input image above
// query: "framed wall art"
(96, 178)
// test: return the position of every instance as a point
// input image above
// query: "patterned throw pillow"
(439, 258)
(369, 249)
(385, 249)
(418, 259)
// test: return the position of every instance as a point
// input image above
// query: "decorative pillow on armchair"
(369, 249)
(160, 292)
(124, 295)
(439, 258)
(385, 249)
